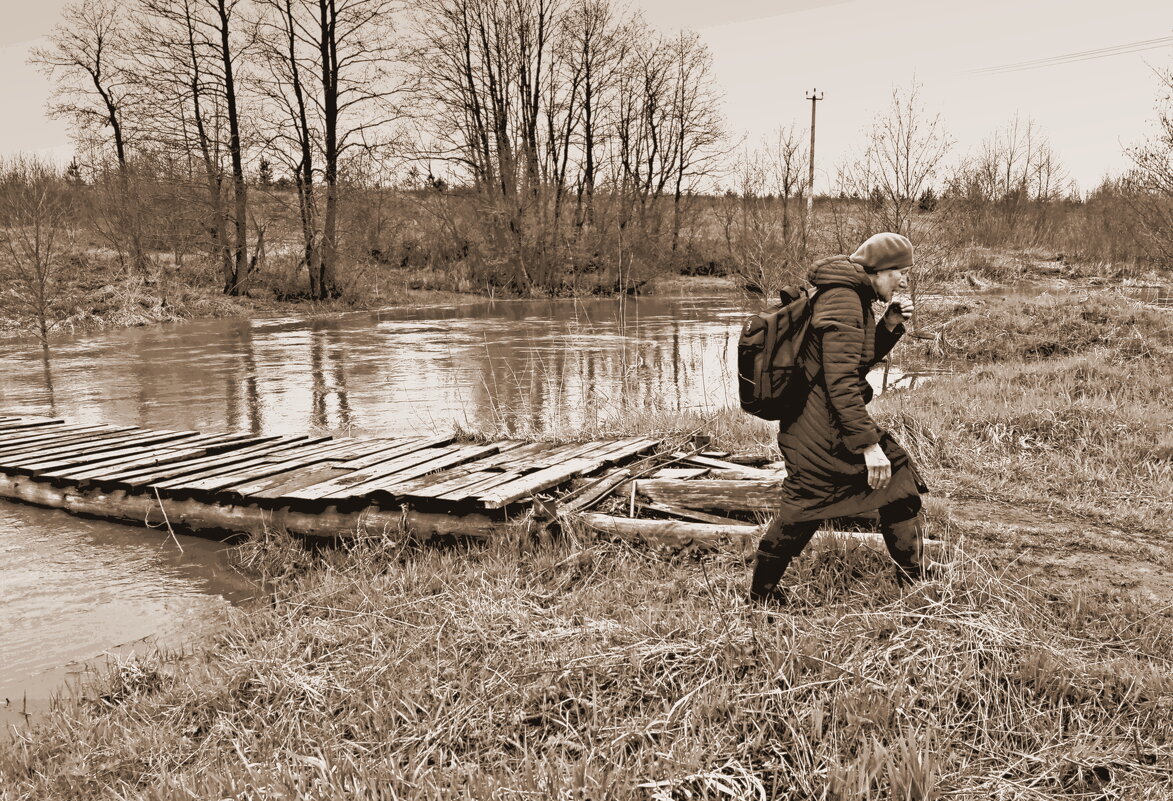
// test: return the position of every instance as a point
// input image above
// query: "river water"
(532, 366)
(72, 590)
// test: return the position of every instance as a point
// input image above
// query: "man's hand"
(898, 311)
(879, 468)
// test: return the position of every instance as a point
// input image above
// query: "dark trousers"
(782, 542)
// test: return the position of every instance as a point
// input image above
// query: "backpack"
(767, 353)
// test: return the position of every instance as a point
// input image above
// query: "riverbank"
(100, 296)
(1037, 665)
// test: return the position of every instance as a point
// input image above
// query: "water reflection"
(72, 589)
(537, 366)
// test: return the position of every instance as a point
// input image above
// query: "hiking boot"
(906, 547)
(767, 572)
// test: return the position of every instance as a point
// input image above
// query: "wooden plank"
(13, 438)
(347, 487)
(47, 462)
(195, 447)
(387, 484)
(226, 462)
(551, 476)
(289, 482)
(213, 463)
(223, 476)
(680, 472)
(81, 448)
(561, 453)
(342, 449)
(514, 469)
(277, 465)
(30, 420)
(15, 445)
(596, 490)
(730, 469)
(486, 482)
(22, 424)
(713, 494)
(340, 487)
(690, 514)
(431, 484)
(673, 532)
(295, 478)
(239, 449)
(708, 535)
(411, 445)
(157, 457)
(439, 482)
(630, 447)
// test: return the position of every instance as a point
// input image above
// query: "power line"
(1082, 55)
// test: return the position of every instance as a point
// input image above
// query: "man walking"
(838, 462)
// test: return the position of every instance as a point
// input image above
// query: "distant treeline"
(513, 146)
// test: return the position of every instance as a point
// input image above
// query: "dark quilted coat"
(824, 436)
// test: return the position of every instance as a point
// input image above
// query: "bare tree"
(765, 237)
(187, 56)
(87, 57)
(36, 240)
(788, 160)
(1015, 175)
(329, 86)
(483, 67)
(904, 157)
(593, 40)
(696, 124)
(286, 84)
(1152, 176)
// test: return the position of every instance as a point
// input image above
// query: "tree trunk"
(328, 46)
(304, 173)
(240, 268)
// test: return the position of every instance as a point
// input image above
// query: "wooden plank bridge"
(315, 485)
(331, 487)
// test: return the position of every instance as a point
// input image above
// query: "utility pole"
(814, 96)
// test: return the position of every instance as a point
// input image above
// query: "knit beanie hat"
(884, 252)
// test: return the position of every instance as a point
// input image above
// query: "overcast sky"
(768, 53)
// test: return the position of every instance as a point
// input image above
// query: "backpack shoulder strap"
(819, 290)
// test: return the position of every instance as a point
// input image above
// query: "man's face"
(886, 282)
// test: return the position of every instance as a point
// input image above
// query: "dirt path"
(1065, 551)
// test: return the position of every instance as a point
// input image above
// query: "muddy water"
(73, 591)
(532, 366)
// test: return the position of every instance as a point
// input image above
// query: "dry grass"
(591, 670)
(1030, 326)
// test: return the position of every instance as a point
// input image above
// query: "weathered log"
(720, 495)
(672, 532)
(192, 515)
(678, 533)
(726, 469)
(596, 489)
(689, 514)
